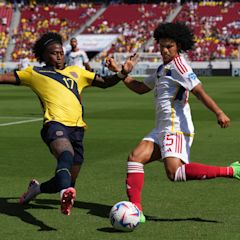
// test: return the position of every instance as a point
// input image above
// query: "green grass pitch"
(117, 120)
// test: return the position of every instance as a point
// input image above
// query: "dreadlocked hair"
(43, 42)
(178, 32)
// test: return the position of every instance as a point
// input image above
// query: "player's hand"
(112, 65)
(129, 64)
(223, 120)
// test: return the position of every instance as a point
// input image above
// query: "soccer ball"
(124, 216)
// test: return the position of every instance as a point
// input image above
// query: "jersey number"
(68, 82)
(169, 140)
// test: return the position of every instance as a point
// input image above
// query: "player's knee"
(134, 158)
(177, 175)
(170, 174)
(60, 145)
(173, 168)
(131, 158)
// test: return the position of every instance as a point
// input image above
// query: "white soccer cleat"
(32, 192)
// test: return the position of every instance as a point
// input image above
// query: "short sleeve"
(24, 77)
(184, 74)
(85, 78)
(188, 80)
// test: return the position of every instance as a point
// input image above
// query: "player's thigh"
(61, 145)
(56, 136)
(145, 151)
(76, 138)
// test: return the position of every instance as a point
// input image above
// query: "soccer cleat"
(32, 192)
(236, 169)
(142, 218)
(67, 200)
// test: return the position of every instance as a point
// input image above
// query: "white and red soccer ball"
(124, 216)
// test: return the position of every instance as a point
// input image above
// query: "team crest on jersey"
(167, 71)
(74, 74)
(192, 76)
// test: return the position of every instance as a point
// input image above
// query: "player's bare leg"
(74, 173)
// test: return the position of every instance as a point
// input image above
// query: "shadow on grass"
(158, 219)
(11, 207)
(97, 209)
(14, 209)
(112, 230)
(196, 219)
(102, 210)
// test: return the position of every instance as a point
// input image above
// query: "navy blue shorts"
(54, 130)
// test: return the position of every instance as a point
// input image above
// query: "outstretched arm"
(222, 118)
(8, 78)
(131, 83)
(136, 86)
(122, 73)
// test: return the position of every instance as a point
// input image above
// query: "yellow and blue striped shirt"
(58, 91)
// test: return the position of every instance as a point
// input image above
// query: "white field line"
(15, 117)
(20, 122)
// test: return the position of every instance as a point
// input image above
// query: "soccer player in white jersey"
(172, 137)
(77, 57)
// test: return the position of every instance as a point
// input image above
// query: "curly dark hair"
(178, 32)
(43, 42)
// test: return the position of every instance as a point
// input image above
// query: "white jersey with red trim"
(171, 84)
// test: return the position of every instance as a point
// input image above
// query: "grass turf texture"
(117, 120)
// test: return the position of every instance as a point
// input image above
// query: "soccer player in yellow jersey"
(59, 91)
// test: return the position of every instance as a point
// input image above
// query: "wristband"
(121, 75)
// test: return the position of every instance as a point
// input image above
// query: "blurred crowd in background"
(216, 25)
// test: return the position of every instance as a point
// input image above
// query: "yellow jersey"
(58, 91)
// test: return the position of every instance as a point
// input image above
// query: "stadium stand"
(6, 13)
(35, 20)
(216, 26)
(215, 23)
(134, 27)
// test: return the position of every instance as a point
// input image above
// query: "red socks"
(190, 171)
(197, 171)
(134, 182)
